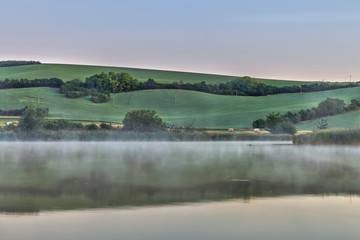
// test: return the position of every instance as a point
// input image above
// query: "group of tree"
(12, 63)
(276, 124)
(111, 82)
(25, 83)
(99, 86)
(328, 107)
(76, 89)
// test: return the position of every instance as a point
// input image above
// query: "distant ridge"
(67, 72)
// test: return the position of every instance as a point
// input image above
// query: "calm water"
(159, 190)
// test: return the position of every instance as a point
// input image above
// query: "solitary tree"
(330, 106)
(142, 121)
(322, 123)
(33, 118)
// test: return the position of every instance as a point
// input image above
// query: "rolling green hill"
(68, 72)
(181, 107)
(174, 106)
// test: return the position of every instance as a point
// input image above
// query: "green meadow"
(182, 107)
(68, 72)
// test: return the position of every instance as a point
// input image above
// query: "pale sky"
(283, 39)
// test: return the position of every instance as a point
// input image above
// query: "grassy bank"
(331, 136)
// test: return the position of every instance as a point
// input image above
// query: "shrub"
(260, 123)
(76, 94)
(322, 124)
(62, 124)
(106, 126)
(99, 97)
(143, 121)
(91, 127)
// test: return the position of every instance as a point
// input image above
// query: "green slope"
(346, 120)
(181, 107)
(68, 72)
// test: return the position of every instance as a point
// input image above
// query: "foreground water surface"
(185, 190)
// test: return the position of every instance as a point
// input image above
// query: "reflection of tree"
(101, 193)
(33, 163)
(72, 179)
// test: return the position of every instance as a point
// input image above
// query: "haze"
(282, 39)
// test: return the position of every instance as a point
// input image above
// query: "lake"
(178, 190)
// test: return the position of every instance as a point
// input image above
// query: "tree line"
(12, 63)
(12, 112)
(99, 86)
(244, 86)
(26, 83)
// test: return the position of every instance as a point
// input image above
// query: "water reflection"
(37, 177)
(304, 217)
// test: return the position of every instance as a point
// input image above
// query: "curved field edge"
(67, 72)
(181, 107)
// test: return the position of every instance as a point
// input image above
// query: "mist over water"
(71, 175)
(193, 190)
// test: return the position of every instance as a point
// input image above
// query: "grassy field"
(182, 107)
(68, 72)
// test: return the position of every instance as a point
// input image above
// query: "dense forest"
(12, 63)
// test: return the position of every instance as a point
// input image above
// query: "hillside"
(68, 72)
(182, 107)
